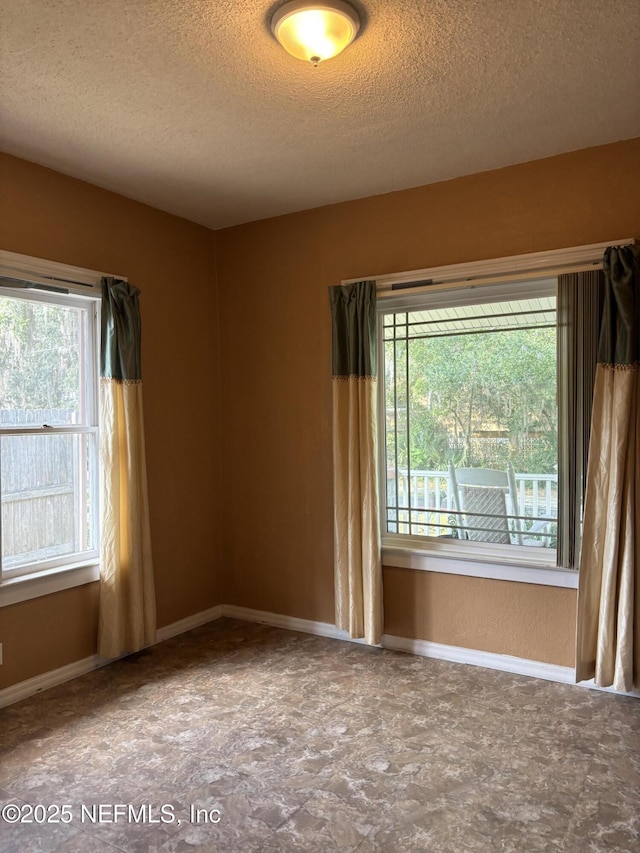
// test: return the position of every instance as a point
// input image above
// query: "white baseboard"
(24, 689)
(291, 623)
(439, 651)
(188, 624)
(424, 648)
(489, 660)
(31, 686)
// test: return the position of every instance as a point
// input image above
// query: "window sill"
(485, 562)
(15, 590)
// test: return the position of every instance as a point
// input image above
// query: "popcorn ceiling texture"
(191, 105)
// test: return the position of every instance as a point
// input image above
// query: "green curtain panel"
(620, 333)
(608, 635)
(354, 338)
(121, 331)
(127, 620)
(358, 570)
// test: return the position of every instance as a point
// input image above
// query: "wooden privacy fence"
(39, 479)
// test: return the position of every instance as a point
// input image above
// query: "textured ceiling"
(192, 107)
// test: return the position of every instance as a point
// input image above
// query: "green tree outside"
(39, 356)
(476, 400)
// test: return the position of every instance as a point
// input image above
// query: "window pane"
(40, 363)
(46, 486)
(471, 422)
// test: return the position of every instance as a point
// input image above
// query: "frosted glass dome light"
(315, 31)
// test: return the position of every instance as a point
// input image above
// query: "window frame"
(53, 280)
(88, 423)
(481, 553)
(487, 560)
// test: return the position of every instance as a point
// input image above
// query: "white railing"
(432, 499)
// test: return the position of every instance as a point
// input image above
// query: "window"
(468, 386)
(486, 375)
(49, 521)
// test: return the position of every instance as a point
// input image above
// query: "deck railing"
(432, 499)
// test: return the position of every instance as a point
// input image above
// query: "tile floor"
(285, 742)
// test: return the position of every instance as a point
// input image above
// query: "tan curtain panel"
(127, 620)
(608, 635)
(358, 570)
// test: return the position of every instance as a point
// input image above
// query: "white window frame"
(78, 285)
(524, 557)
(406, 291)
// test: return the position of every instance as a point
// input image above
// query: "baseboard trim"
(188, 624)
(423, 648)
(488, 660)
(31, 686)
(291, 623)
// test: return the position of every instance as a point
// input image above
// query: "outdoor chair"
(486, 502)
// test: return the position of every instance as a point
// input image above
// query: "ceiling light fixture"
(315, 31)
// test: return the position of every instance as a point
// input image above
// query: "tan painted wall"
(51, 216)
(48, 632)
(268, 408)
(273, 277)
(535, 622)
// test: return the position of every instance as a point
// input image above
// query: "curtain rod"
(479, 281)
(40, 271)
(540, 263)
(40, 281)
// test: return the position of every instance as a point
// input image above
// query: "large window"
(486, 379)
(469, 418)
(48, 431)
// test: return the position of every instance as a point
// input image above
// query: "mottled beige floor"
(307, 744)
